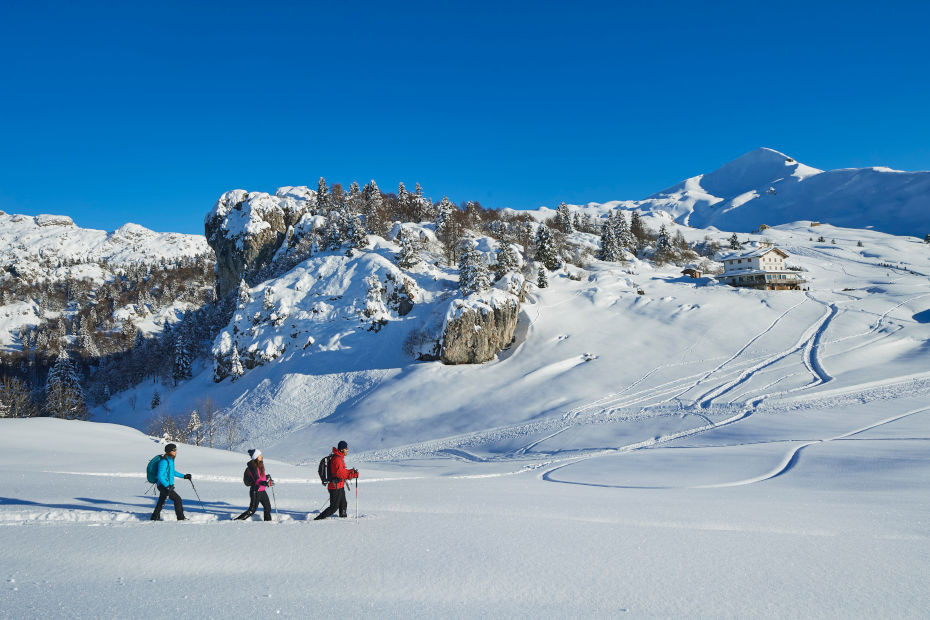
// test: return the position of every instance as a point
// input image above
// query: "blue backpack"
(151, 471)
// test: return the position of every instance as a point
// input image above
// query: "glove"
(188, 477)
(270, 482)
(355, 473)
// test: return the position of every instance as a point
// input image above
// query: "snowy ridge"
(28, 242)
(768, 187)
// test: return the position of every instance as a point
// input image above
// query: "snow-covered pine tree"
(355, 204)
(194, 429)
(444, 215)
(235, 364)
(473, 272)
(563, 219)
(638, 228)
(245, 296)
(508, 261)
(542, 280)
(610, 247)
(183, 357)
(322, 197)
(334, 235)
(64, 397)
(87, 341)
(156, 399)
(403, 199)
(625, 238)
(546, 252)
(409, 254)
(664, 250)
(734, 242)
(373, 211)
(268, 298)
(357, 237)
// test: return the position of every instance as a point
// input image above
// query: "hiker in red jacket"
(338, 474)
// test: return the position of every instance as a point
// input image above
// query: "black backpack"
(323, 469)
(247, 478)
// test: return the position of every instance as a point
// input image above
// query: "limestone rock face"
(245, 229)
(478, 327)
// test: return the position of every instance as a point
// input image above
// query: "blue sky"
(146, 112)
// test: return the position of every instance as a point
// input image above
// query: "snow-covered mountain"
(768, 187)
(36, 245)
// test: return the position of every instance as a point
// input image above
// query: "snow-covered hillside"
(768, 187)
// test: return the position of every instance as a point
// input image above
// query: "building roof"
(753, 252)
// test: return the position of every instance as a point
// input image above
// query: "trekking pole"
(275, 500)
(149, 489)
(198, 495)
(356, 500)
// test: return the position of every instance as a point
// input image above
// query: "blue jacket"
(166, 472)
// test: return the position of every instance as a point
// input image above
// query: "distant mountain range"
(768, 187)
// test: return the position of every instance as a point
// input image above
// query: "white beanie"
(254, 453)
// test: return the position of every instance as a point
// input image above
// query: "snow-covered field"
(696, 450)
(817, 513)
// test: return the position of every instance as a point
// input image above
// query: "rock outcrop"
(245, 229)
(478, 327)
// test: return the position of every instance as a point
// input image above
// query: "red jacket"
(337, 469)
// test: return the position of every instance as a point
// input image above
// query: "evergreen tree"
(546, 252)
(194, 429)
(664, 250)
(625, 238)
(268, 298)
(322, 197)
(334, 235)
(245, 296)
(610, 245)
(403, 198)
(181, 369)
(156, 399)
(638, 229)
(87, 342)
(508, 261)
(542, 280)
(355, 204)
(446, 229)
(473, 272)
(357, 237)
(409, 254)
(734, 242)
(235, 364)
(64, 396)
(375, 222)
(563, 219)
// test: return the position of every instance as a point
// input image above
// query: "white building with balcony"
(761, 267)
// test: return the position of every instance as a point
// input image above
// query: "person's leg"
(178, 504)
(333, 504)
(343, 505)
(162, 496)
(266, 504)
(253, 504)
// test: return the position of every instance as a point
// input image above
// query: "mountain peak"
(752, 170)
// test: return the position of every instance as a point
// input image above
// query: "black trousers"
(255, 497)
(337, 501)
(165, 493)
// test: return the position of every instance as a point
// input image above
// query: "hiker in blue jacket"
(165, 482)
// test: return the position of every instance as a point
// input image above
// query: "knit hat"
(254, 453)
(342, 446)
(170, 448)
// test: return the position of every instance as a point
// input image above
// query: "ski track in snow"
(787, 464)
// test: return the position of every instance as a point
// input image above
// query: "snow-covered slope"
(768, 187)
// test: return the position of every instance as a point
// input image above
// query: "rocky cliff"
(478, 327)
(245, 229)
